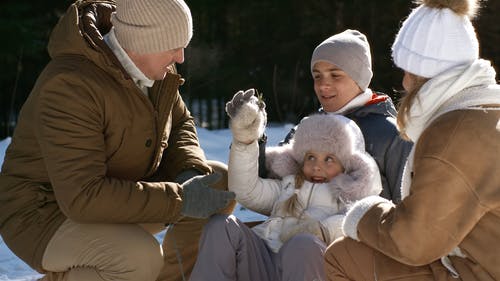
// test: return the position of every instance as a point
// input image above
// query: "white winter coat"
(321, 202)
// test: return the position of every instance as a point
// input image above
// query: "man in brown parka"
(105, 152)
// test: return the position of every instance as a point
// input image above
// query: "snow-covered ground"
(216, 146)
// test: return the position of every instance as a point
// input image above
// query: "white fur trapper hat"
(331, 133)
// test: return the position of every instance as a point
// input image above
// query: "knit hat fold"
(152, 26)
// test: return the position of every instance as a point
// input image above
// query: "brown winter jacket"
(89, 145)
(454, 199)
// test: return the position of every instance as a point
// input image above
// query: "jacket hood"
(80, 32)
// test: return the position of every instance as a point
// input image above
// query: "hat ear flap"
(361, 178)
(280, 161)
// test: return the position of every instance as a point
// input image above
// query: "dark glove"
(199, 200)
(248, 116)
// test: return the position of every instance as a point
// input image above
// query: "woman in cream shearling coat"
(448, 225)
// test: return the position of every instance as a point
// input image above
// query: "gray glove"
(248, 116)
(199, 200)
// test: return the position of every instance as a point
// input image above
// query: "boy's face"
(321, 166)
(333, 87)
(155, 65)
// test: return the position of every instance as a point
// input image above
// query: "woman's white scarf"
(466, 87)
(460, 88)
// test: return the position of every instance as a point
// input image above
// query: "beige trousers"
(347, 259)
(126, 251)
(103, 252)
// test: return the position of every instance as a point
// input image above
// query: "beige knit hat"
(152, 26)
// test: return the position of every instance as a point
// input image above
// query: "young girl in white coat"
(323, 169)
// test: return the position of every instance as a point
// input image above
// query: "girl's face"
(320, 167)
(333, 87)
(155, 65)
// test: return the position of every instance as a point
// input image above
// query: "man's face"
(333, 87)
(155, 65)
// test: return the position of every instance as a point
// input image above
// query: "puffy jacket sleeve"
(184, 151)
(70, 130)
(253, 192)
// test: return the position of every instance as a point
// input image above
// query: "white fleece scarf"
(460, 88)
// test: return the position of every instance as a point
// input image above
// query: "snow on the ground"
(216, 146)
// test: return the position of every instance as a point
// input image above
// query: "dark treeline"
(236, 45)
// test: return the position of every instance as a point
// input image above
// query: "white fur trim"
(280, 161)
(356, 213)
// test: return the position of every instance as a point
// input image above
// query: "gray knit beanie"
(350, 51)
(152, 26)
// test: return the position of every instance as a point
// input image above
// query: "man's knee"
(145, 259)
(103, 252)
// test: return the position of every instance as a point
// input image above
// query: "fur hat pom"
(280, 161)
(363, 179)
(460, 7)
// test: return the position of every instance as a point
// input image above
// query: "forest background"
(262, 44)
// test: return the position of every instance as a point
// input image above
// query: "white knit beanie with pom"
(437, 36)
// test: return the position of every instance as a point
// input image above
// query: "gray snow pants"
(229, 250)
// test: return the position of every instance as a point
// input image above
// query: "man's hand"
(199, 200)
